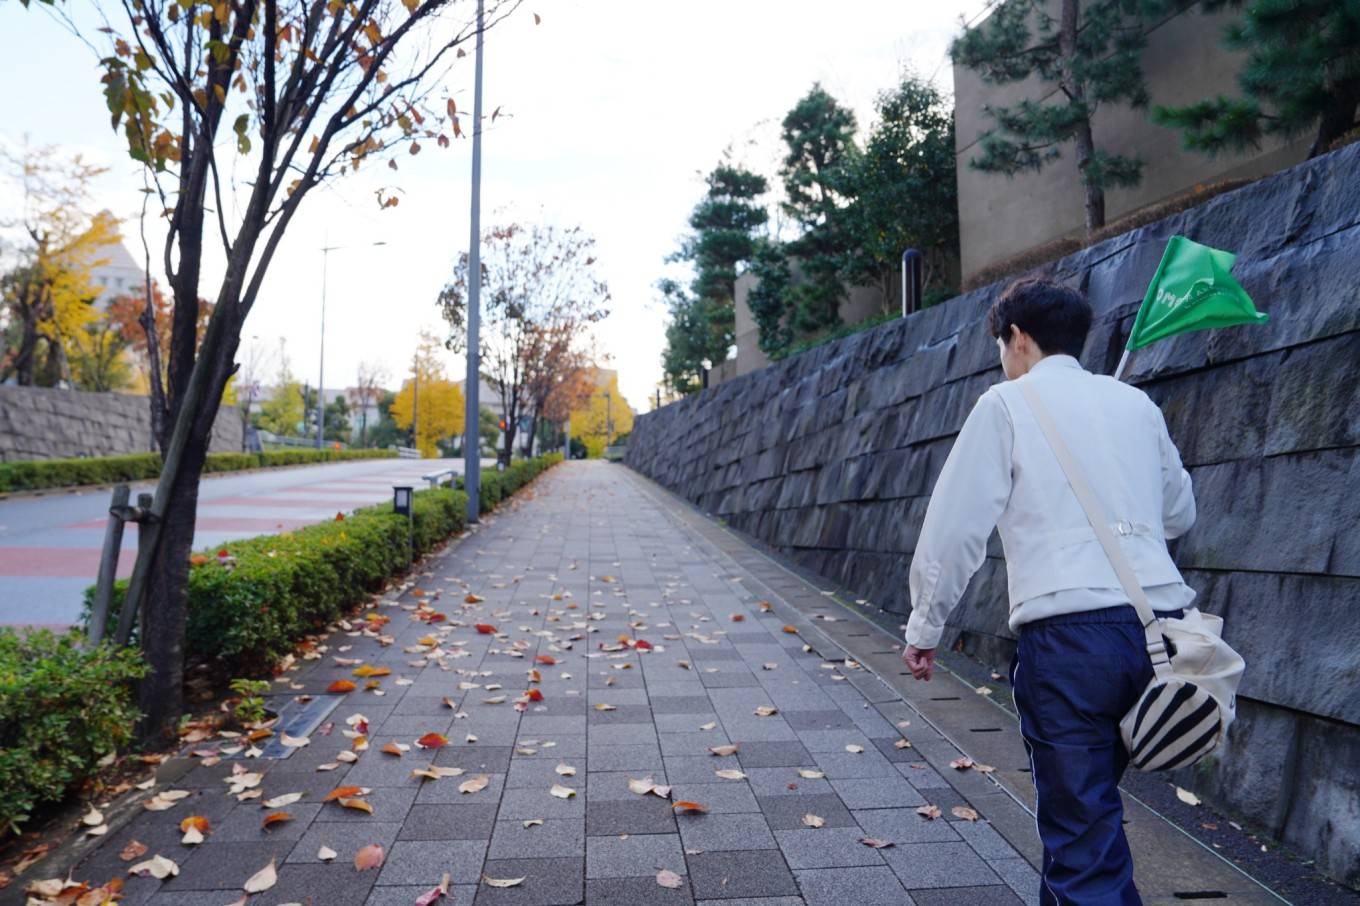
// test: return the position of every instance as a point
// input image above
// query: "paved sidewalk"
(584, 559)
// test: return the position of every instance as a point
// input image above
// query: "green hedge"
(32, 475)
(282, 587)
(62, 709)
(496, 485)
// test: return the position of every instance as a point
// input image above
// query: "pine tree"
(1089, 55)
(820, 136)
(703, 319)
(1302, 73)
(903, 192)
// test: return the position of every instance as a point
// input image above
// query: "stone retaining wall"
(45, 423)
(830, 457)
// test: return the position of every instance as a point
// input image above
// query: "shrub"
(278, 589)
(32, 475)
(62, 709)
(496, 485)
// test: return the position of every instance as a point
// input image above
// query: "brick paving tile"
(539, 566)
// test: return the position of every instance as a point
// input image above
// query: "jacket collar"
(1054, 362)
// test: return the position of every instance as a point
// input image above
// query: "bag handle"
(1156, 645)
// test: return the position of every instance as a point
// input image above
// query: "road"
(50, 544)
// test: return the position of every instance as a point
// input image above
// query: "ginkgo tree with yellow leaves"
(48, 287)
(604, 417)
(429, 399)
(289, 95)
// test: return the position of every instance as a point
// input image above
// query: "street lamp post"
(321, 378)
(472, 459)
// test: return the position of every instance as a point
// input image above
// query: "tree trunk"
(164, 614)
(1338, 119)
(1076, 95)
(508, 447)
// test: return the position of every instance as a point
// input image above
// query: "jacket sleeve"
(969, 497)
(1178, 493)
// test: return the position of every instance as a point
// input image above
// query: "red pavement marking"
(59, 562)
(265, 503)
(224, 524)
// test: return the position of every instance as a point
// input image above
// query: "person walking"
(1081, 660)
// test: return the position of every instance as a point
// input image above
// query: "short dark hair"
(1058, 317)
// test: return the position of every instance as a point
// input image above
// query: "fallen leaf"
(157, 867)
(341, 685)
(876, 843)
(731, 774)
(730, 749)
(929, 811)
(359, 805)
(562, 792)
(134, 850)
(434, 893)
(545, 659)
(791, 630)
(902, 744)
(281, 801)
(502, 882)
(565, 770)
(196, 822)
(669, 879)
(192, 837)
(93, 818)
(709, 726)
(961, 764)
(326, 854)
(811, 820)
(766, 607)
(294, 742)
(532, 822)
(474, 784)
(766, 711)
(1186, 796)
(768, 665)
(368, 670)
(983, 768)
(343, 792)
(370, 856)
(738, 617)
(964, 812)
(274, 818)
(685, 805)
(808, 774)
(605, 707)
(854, 749)
(391, 749)
(484, 628)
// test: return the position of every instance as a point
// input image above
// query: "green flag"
(1193, 289)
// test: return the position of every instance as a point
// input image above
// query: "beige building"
(1184, 62)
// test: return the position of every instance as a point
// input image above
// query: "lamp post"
(321, 378)
(472, 459)
(401, 505)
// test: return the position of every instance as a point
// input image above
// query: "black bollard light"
(401, 505)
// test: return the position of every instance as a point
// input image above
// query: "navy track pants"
(1075, 676)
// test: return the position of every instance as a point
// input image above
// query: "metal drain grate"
(295, 718)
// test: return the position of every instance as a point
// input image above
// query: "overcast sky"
(615, 110)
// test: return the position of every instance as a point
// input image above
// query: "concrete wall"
(1184, 62)
(830, 457)
(44, 423)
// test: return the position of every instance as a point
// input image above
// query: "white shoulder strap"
(1100, 523)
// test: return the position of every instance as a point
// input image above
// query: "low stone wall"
(830, 457)
(44, 423)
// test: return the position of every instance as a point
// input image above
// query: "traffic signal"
(502, 424)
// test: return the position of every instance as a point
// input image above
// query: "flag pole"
(1123, 362)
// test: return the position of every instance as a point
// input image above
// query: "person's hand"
(920, 661)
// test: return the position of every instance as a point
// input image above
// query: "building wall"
(1001, 216)
(46, 423)
(830, 457)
